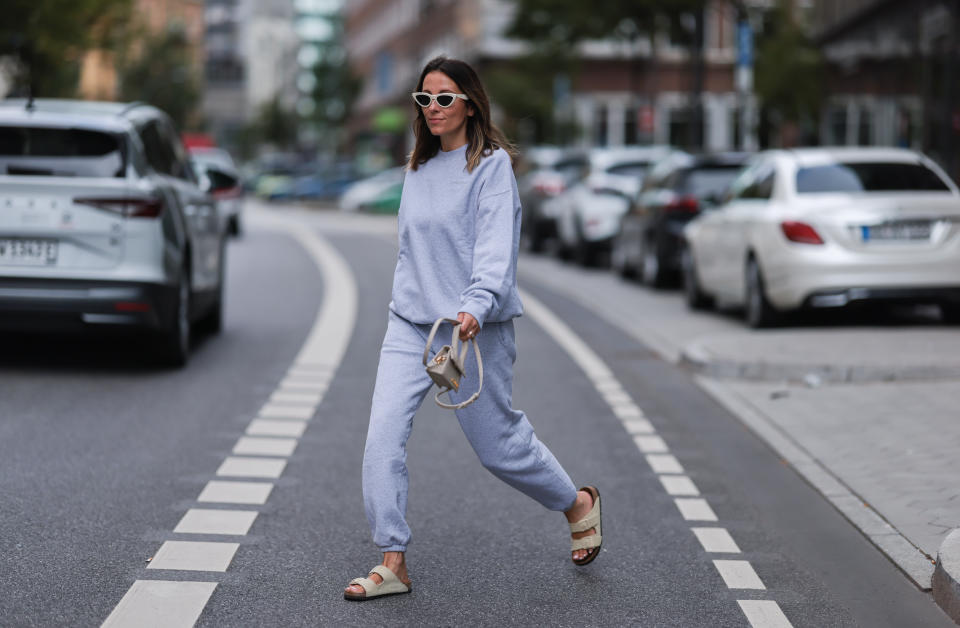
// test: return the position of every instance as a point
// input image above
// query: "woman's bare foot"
(580, 510)
(394, 561)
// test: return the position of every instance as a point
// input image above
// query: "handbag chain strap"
(460, 356)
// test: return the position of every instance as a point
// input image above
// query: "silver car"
(103, 223)
(824, 228)
(590, 211)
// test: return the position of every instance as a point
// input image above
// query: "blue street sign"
(744, 44)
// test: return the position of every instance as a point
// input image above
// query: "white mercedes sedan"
(824, 228)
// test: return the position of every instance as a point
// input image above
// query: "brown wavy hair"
(483, 136)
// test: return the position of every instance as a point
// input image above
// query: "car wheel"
(651, 269)
(175, 340)
(236, 228)
(693, 294)
(212, 322)
(758, 311)
(618, 258)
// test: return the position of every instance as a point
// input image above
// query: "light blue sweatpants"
(501, 436)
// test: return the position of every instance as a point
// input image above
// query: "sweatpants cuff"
(394, 548)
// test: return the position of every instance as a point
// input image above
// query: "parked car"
(545, 172)
(224, 177)
(824, 228)
(104, 223)
(379, 193)
(589, 212)
(677, 188)
(326, 184)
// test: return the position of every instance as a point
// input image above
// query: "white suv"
(103, 222)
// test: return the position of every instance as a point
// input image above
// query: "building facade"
(891, 74)
(623, 93)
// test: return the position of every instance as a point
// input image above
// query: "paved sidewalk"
(870, 416)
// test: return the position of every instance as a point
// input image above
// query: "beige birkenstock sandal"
(391, 585)
(592, 520)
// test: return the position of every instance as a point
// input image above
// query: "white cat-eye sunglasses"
(444, 99)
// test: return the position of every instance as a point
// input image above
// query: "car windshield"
(634, 169)
(869, 177)
(61, 152)
(707, 182)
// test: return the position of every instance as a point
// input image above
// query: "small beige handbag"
(448, 366)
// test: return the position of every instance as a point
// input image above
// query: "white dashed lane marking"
(252, 467)
(275, 431)
(217, 492)
(764, 614)
(736, 574)
(266, 427)
(695, 509)
(161, 604)
(194, 556)
(664, 463)
(252, 445)
(284, 411)
(205, 521)
(716, 540)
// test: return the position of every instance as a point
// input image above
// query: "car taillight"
(549, 188)
(800, 232)
(683, 204)
(130, 207)
(234, 192)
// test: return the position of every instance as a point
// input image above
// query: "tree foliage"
(47, 39)
(162, 75)
(335, 92)
(788, 69)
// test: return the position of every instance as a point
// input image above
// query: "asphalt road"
(101, 454)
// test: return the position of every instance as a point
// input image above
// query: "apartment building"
(623, 94)
(892, 74)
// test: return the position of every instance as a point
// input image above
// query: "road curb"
(698, 358)
(946, 576)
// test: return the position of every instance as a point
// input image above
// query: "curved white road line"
(736, 574)
(168, 604)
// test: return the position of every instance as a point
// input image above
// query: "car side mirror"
(214, 180)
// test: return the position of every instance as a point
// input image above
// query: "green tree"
(47, 38)
(334, 94)
(276, 124)
(162, 75)
(787, 76)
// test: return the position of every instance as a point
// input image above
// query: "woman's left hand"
(468, 326)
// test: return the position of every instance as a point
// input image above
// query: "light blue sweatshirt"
(459, 236)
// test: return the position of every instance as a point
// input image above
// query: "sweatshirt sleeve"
(494, 271)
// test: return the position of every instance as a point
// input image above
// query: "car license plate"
(912, 231)
(28, 251)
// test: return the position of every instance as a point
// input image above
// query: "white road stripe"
(298, 386)
(217, 492)
(282, 397)
(679, 485)
(695, 509)
(627, 412)
(160, 604)
(585, 357)
(716, 540)
(205, 521)
(616, 398)
(738, 574)
(252, 445)
(664, 463)
(638, 426)
(252, 467)
(264, 427)
(651, 444)
(609, 386)
(764, 614)
(194, 556)
(276, 411)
